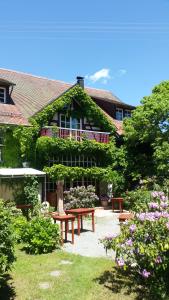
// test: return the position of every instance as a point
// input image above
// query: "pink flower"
(153, 205)
(120, 262)
(129, 242)
(158, 260)
(132, 228)
(145, 273)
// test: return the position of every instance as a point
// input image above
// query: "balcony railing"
(76, 134)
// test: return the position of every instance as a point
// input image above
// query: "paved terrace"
(87, 244)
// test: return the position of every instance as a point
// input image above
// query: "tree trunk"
(59, 191)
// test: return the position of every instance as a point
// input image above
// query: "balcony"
(76, 134)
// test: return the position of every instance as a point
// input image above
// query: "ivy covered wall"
(11, 156)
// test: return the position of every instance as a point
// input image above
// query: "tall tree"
(147, 135)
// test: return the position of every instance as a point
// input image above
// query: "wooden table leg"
(81, 222)
(78, 224)
(121, 206)
(66, 230)
(93, 223)
(61, 229)
(113, 205)
(72, 231)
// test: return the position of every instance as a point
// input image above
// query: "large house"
(23, 96)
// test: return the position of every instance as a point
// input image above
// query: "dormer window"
(119, 114)
(127, 113)
(2, 95)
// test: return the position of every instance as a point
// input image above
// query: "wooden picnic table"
(79, 213)
(119, 201)
(65, 219)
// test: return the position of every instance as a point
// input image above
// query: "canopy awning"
(20, 172)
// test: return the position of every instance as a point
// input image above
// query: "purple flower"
(145, 273)
(129, 242)
(132, 228)
(154, 194)
(164, 204)
(153, 205)
(120, 262)
(158, 260)
(163, 198)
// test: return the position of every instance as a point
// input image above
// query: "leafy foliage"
(147, 135)
(142, 248)
(40, 236)
(88, 109)
(27, 193)
(55, 147)
(136, 199)
(10, 149)
(19, 223)
(80, 197)
(6, 240)
(27, 136)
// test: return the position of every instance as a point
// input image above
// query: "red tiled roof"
(118, 124)
(32, 93)
(9, 114)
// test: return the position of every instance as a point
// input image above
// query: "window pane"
(119, 114)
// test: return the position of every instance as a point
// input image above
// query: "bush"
(6, 240)
(80, 197)
(135, 200)
(40, 236)
(27, 193)
(142, 248)
(19, 224)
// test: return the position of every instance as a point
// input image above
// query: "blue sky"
(119, 45)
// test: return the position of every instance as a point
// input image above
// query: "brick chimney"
(80, 81)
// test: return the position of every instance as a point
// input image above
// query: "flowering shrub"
(80, 196)
(143, 245)
(135, 200)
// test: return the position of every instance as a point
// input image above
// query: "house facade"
(89, 114)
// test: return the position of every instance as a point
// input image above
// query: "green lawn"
(84, 279)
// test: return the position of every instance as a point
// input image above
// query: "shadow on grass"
(121, 282)
(7, 290)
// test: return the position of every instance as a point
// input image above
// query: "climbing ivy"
(27, 136)
(88, 109)
(10, 147)
(55, 147)
(60, 172)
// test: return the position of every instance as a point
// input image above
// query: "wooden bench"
(125, 216)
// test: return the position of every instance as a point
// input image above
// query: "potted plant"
(104, 200)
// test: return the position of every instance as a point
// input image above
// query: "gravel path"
(87, 244)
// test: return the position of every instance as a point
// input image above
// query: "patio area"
(87, 244)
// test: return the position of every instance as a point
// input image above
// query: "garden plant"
(142, 248)
(6, 240)
(80, 196)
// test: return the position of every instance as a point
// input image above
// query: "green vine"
(55, 147)
(60, 172)
(27, 136)
(88, 109)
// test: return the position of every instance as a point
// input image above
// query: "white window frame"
(119, 110)
(70, 119)
(127, 111)
(4, 101)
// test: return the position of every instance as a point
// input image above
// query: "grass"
(84, 279)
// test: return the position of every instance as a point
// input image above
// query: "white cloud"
(102, 75)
